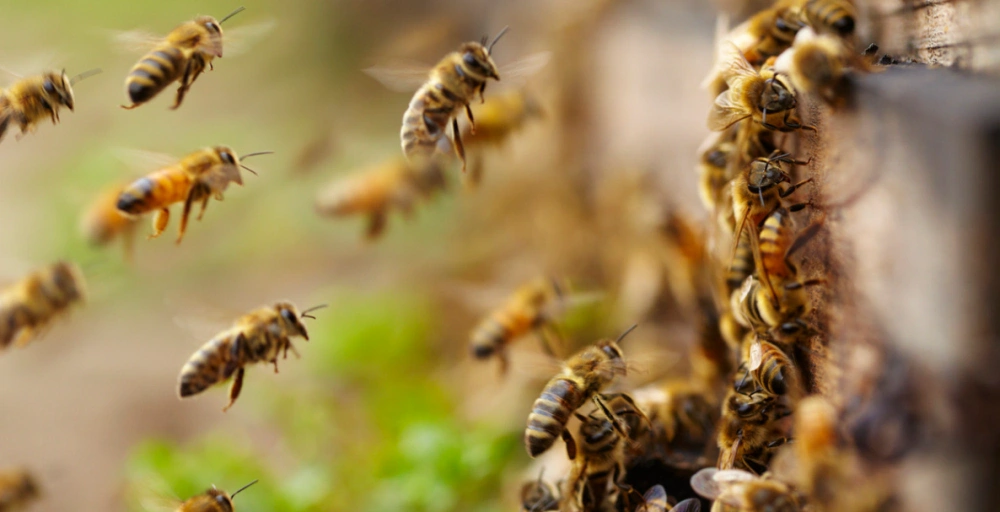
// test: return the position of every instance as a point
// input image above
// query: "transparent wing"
(688, 505)
(756, 355)
(703, 482)
(733, 476)
(239, 40)
(134, 41)
(400, 75)
(520, 70)
(142, 161)
(733, 63)
(30, 64)
(201, 320)
(724, 113)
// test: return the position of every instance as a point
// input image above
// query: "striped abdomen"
(214, 362)
(750, 306)
(742, 265)
(154, 191)
(560, 398)
(154, 72)
(426, 119)
(776, 373)
(499, 329)
(837, 15)
(600, 446)
(775, 238)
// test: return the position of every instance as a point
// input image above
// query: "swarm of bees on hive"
(744, 429)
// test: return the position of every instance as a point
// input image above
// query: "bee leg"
(185, 214)
(160, 222)
(130, 107)
(186, 82)
(376, 225)
(204, 205)
(570, 444)
(790, 190)
(234, 389)
(615, 420)
(472, 122)
(459, 148)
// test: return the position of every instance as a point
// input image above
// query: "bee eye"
(49, 87)
(211, 25)
(221, 499)
(227, 157)
(288, 316)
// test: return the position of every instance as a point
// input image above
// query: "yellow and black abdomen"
(155, 72)
(157, 190)
(426, 119)
(211, 364)
(550, 413)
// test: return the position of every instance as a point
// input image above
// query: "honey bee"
(770, 369)
(750, 429)
(257, 337)
(766, 97)
(396, 183)
(103, 221)
(767, 33)
(29, 306)
(182, 55)
(817, 65)
(539, 495)
(654, 500)
(497, 119)
(17, 489)
(29, 100)
(530, 308)
(682, 413)
(713, 166)
(745, 491)
(837, 16)
(582, 378)
(212, 500)
(204, 174)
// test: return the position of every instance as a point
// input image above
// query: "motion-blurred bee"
(767, 97)
(30, 305)
(257, 337)
(103, 221)
(182, 55)
(750, 429)
(767, 33)
(396, 183)
(530, 308)
(497, 119)
(28, 101)
(816, 65)
(837, 16)
(745, 491)
(582, 378)
(539, 496)
(212, 500)
(204, 174)
(17, 489)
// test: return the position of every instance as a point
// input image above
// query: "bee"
(29, 100)
(767, 33)
(539, 495)
(17, 489)
(767, 97)
(817, 65)
(837, 16)
(654, 500)
(770, 369)
(582, 378)
(530, 308)
(257, 337)
(182, 55)
(30, 305)
(396, 183)
(212, 500)
(204, 174)
(599, 466)
(682, 413)
(749, 429)
(103, 221)
(745, 491)
(713, 166)
(497, 119)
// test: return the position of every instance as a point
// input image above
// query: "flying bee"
(374, 191)
(451, 86)
(750, 429)
(582, 378)
(539, 495)
(257, 337)
(28, 101)
(30, 305)
(770, 369)
(497, 120)
(182, 55)
(103, 221)
(199, 176)
(766, 97)
(745, 491)
(817, 65)
(17, 489)
(212, 500)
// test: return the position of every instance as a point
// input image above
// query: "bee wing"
(703, 482)
(725, 113)
(202, 321)
(733, 476)
(400, 75)
(756, 355)
(520, 70)
(143, 161)
(135, 41)
(239, 40)
(733, 63)
(688, 505)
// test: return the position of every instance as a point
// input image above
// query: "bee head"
(477, 62)
(777, 95)
(227, 155)
(57, 88)
(213, 30)
(66, 278)
(764, 174)
(290, 319)
(222, 499)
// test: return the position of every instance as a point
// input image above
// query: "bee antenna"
(305, 314)
(85, 74)
(250, 170)
(257, 153)
(230, 15)
(630, 329)
(233, 495)
(489, 49)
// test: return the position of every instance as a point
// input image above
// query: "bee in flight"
(17, 489)
(182, 55)
(30, 305)
(28, 101)
(451, 86)
(497, 120)
(376, 190)
(204, 174)
(103, 221)
(212, 500)
(582, 378)
(260, 336)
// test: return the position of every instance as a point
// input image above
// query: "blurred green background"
(385, 410)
